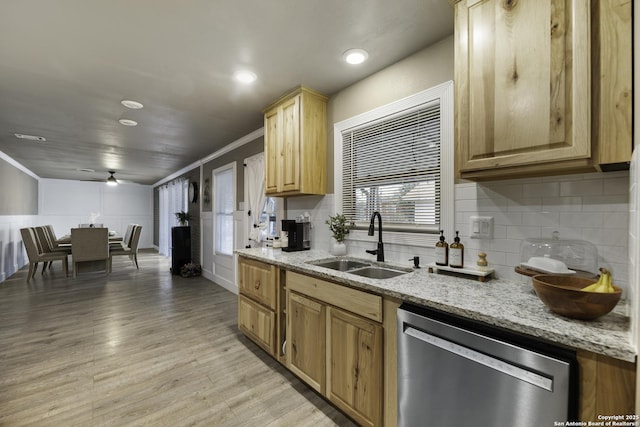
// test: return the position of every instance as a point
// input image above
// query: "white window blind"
(393, 166)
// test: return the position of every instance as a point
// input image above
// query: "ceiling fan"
(111, 180)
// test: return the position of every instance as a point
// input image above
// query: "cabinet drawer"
(257, 323)
(258, 281)
(358, 302)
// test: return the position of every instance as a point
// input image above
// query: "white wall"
(65, 204)
(12, 253)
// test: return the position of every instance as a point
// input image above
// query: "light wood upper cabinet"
(539, 89)
(295, 144)
(354, 368)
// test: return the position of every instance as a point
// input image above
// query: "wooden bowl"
(563, 295)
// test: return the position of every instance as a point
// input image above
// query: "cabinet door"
(290, 134)
(272, 151)
(257, 322)
(258, 281)
(354, 374)
(306, 351)
(522, 83)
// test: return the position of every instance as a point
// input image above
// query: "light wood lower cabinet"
(607, 386)
(354, 366)
(337, 352)
(257, 322)
(258, 287)
(306, 339)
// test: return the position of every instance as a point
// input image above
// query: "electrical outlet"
(481, 227)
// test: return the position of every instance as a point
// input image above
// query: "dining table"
(114, 237)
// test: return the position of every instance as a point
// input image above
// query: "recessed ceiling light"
(355, 56)
(30, 137)
(245, 76)
(128, 122)
(134, 105)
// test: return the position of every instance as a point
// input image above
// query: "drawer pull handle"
(257, 285)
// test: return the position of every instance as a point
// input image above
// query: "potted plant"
(339, 226)
(183, 217)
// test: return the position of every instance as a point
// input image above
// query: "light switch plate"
(481, 227)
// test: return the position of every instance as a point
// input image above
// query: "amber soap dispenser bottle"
(442, 251)
(456, 253)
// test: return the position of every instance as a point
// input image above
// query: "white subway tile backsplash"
(541, 219)
(466, 192)
(541, 189)
(592, 207)
(498, 204)
(492, 191)
(522, 232)
(606, 203)
(466, 205)
(589, 187)
(581, 219)
(524, 204)
(616, 186)
(609, 237)
(562, 204)
(567, 233)
(617, 220)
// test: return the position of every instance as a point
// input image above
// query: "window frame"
(231, 169)
(443, 94)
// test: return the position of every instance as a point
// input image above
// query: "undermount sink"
(373, 272)
(340, 264)
(360, 268)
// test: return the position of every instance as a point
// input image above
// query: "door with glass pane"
(224, 200)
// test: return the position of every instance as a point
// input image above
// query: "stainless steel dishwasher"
(457, 372)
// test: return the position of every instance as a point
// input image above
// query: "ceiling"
(66, 65)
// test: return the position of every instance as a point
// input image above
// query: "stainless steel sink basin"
(340, 264)
(373, 272)
(361, 268)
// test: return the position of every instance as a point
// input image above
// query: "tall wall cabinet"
(295, 144)
(542, 87)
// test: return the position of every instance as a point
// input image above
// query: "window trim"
(232, 168)
(443, 93)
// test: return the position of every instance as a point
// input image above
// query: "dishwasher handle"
(483, 359)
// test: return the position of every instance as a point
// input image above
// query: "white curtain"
(254, 170)
(172, 199)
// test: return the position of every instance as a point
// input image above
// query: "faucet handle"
(416, 261)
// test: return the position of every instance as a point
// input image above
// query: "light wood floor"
(140, 347)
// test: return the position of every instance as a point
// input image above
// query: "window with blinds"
(393, 166)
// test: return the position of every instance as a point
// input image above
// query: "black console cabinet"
(180, 248)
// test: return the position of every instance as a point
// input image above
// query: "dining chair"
(45, 245)
(125, 241)
(89, 245)
(48, 240)
(131, 250)
(35, 255)
(54, 239)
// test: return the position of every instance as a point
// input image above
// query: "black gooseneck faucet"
(380, 251)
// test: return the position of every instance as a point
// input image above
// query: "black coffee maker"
(298, 235)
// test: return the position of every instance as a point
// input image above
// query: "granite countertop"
(502, 303)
